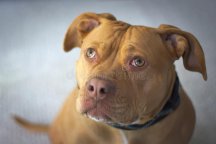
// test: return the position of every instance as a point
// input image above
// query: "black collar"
(169, 107)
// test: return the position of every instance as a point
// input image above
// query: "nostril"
(102, 91)
(91, 88)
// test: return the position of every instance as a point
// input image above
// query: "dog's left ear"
(82, 26)
(181, 43)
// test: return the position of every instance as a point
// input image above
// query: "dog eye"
(90, 53)
(138, 62)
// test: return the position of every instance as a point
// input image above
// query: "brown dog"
(127, 88)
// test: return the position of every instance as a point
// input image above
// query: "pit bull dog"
(127, 89)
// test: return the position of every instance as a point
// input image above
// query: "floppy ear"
(81, 26)
(181, 43)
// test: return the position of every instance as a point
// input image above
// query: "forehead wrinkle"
(112, 45)
(133, 47)
(130, 48)
(140, 38)
(115, 30)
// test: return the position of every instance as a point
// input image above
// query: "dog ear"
(181, 43)
(81, 26)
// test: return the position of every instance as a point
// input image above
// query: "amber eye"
(138, 62)
(90, 53)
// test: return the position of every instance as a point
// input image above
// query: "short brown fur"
(141, 92)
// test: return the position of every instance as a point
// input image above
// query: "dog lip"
(98, 115)
(86, 110)
(95, 110)
(87, 105)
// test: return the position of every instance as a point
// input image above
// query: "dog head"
(125, 73)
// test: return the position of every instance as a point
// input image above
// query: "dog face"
(125, 73)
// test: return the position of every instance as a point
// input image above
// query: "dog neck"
(170, 106)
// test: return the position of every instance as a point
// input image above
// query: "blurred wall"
(36, 75)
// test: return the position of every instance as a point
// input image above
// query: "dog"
(128, 91)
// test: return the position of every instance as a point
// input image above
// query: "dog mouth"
(98, 115)
(94, 110)
(107, 110)
(100, 112)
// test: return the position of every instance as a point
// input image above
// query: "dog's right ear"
(81, 26)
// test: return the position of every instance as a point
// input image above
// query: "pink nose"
(99, 88)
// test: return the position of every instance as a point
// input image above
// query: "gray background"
(36, 75)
